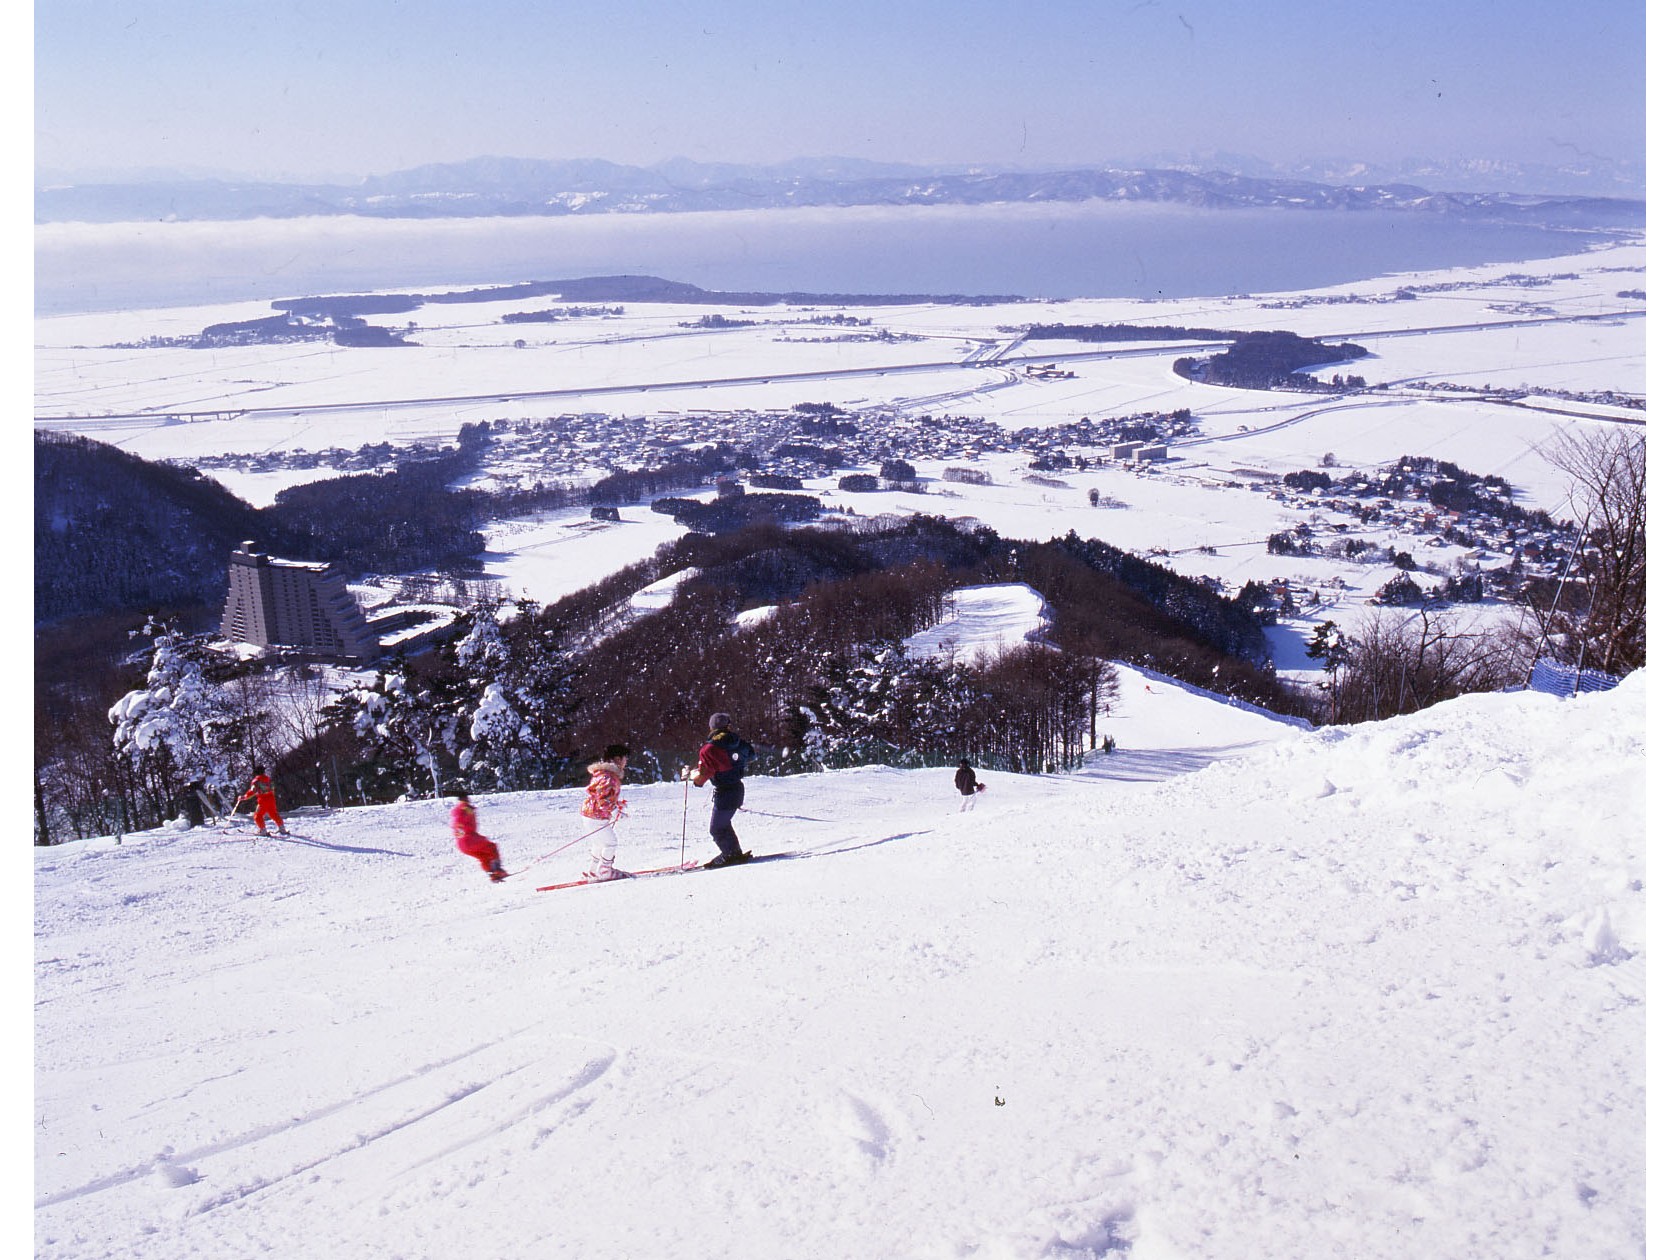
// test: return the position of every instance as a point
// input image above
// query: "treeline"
(408, 518)
(346, 330)
(818, 679)
(686, 471)
(821, 680)
(691, 468)
(1269, 360)
(737, 511)
(554, 314)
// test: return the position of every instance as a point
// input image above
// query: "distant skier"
(463, 820)
(968, 785)
(723, 759)
(601, 801)
(262, 788)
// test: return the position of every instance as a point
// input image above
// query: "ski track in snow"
(1368, 991)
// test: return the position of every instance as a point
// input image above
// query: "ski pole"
(682, 849)
(561, 849)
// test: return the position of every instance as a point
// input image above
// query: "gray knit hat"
(719, 722)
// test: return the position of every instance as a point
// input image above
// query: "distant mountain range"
(494, 186)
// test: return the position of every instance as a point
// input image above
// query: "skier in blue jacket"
(723, 760)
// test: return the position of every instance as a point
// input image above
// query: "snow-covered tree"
(889, 708)
(406, 737)
(1399, 589)
(501, 739)
(181, 727)
(1329, 645)
(498, 744)
(482, 651)
(857, 706)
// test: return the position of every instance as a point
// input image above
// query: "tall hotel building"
(294, 604)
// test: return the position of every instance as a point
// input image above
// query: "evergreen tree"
(181, 727)
(496, 742)
(1399, 589)
(1329, 645)
(404, 731)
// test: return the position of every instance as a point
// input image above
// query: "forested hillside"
(817, 669)
(387, 522)
(115, 532)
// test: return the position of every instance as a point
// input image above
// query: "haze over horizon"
(312, 91)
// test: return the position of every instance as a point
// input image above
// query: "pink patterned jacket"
(601, 800)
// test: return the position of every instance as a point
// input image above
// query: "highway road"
(990, 359)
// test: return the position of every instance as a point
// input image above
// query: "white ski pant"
(604, 845)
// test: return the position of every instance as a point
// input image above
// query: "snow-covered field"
(465, 366)
(1235, 990)
(1536, 325)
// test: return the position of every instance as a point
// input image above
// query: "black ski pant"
(726, 799)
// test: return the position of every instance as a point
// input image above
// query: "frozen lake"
(1091, 249)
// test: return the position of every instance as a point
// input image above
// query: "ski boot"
(727, 859)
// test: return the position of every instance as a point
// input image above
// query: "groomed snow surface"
(1234, 990)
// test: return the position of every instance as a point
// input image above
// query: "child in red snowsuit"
(463, 819)
(263, 789)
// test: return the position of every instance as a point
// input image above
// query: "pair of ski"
(658, 870)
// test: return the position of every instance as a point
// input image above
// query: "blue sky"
(305, 88)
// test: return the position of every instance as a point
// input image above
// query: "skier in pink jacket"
(603, 803)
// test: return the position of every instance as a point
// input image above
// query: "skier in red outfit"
(262, 787)
(464, 820)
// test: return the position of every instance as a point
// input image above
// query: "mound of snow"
(984, 619)
(658, 595)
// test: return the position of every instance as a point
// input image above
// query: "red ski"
(658, 870)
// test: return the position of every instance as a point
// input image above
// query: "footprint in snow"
(172, 1176)
(864, 1127)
